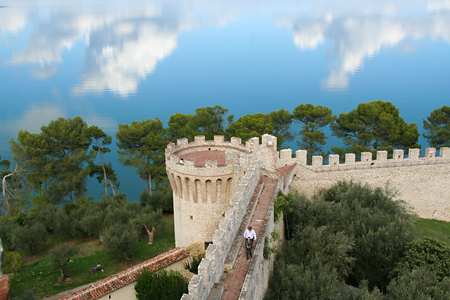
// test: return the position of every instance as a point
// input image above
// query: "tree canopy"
(349, 234)
(282, 120)
(161, 285)
(438, 127)
(249, 126)
(57, 158)
(312, 119)
(142, 145)
(207, 121)
(374, 125)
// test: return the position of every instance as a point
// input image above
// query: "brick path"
(233, 279)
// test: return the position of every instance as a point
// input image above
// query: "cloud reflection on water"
(354, 39)
(125, 44)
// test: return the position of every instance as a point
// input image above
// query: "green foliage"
(142, 147)
(267, 251)
(282, 121)
(375, 125)
(332, 248)
(12, 264)
(120, 241)
(250, 126)
(92, 221)
(62, 223)
(312, 119)
(303, 281)
(207, 121)
(104, 171)
(26, 295)
(149, 219)
(282, 202)
(438, 127)
(40, 276)
(56, 158)
(162, 200)
(60, 256)
(160, 285)
(418, 284)
(7, 226)
(381, 229)
(357, 231)
(178, 127)
(192, 265)
(347, 292)
(428, 253)
(30, 239)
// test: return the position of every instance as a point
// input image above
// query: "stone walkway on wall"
(233, 278)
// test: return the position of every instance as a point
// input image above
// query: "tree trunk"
(150, 183)
(64, 276)
(112, 187)
(151, 234)
(100, 237)
(5, 196)
(103, 166)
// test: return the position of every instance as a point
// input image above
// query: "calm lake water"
(112, 62)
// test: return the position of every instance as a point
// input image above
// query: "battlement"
(199, 144)
(185, 155)
(398, 159)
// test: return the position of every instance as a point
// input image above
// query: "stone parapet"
(257, 279)
(366, 162)
(212, 266)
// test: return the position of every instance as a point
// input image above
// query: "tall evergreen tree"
(312, 119)
(282, 120)
(438, 127)
(250, 126)
(142, 145)
(57, 158)
(375, 125)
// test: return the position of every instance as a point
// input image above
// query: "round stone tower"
(203, 175)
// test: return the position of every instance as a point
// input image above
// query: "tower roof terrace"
(199, 157)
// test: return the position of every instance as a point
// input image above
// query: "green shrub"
(193, 264)
(158, 200)
(428, 253)
(26, 295)
(161, 285)
(11, 264)
(31, 239)
(120, 241)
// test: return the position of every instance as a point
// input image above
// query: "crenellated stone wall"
(422, 182)
(212, 266)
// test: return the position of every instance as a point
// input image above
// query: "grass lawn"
(39, 276)
(434, 228)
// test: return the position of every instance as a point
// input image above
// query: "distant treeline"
(53, 166)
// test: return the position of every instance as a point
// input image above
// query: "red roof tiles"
(112, 283)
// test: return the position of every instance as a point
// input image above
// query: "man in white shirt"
(250, 233)
(250, 237)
